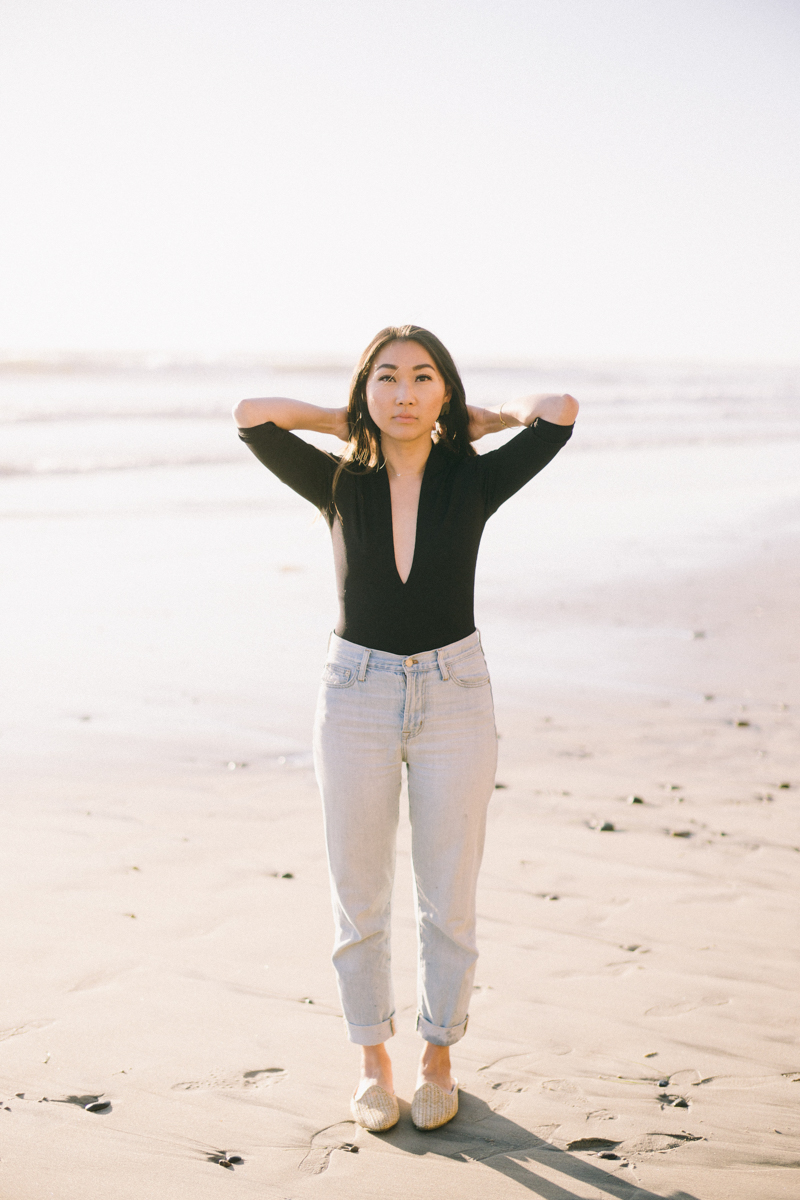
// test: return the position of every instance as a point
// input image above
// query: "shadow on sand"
(478, 1134)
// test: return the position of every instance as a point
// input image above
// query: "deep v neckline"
(404, 582)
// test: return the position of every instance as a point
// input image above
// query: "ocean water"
(158, 578)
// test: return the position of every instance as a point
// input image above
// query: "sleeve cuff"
(549, 432)
(253, 432)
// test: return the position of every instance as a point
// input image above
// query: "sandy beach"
(166, 927)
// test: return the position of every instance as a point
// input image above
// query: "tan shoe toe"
(376, 1110)
(432, 1107)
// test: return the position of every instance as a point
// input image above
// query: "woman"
(405, 678)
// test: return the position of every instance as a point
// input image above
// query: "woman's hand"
(341, 425)
(481, 421)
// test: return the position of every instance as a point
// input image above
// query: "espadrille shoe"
(432, 1106)
(376, 1110)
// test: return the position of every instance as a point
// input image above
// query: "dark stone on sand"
(98, 1106)
(592, 1143)
(349, 1147)
(235, 1159)
(784, 785)
(20, 1095)
(287, 875)
(662, 1083)
(607, 827)
(551, 897)
(742, 724)
(683, 833)
(501, 785)
(608, 1154)
(635, 800)
(224, 1162)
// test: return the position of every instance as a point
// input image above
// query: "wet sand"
(166, 926)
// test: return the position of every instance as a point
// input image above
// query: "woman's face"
(405, 391)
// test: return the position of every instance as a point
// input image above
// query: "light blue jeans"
(434, 712)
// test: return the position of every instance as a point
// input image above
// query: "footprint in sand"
(260, 1077)
(685, 1006)
(324, 1142)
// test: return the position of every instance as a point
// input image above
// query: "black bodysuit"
(434, 607)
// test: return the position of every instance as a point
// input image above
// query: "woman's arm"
(292, 414)
(558, 410)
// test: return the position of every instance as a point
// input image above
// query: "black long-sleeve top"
(434, 607)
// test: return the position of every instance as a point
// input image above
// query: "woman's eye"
(424, 378)
(386, 379)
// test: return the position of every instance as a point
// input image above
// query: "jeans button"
(410, 662)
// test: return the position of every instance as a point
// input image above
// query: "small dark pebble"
(680, 1103)
(97, 1106)
(684, 833)
(630, 950)
(552, 896)
(607, 827)
(500, 786)
(349, 1147)
(675, 787)
(226, 1163)
(20, 1095)
(608, 1154)
(652, 1054)
(784, 785)
(635, 800)
(236, 1159)
(662, 1083)
(287, 875)
(742, 724)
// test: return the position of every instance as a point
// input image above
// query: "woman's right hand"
(341, 425)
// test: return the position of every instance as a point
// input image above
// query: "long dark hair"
(363, 450)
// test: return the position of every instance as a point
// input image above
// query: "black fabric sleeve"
(307, 470)
(505, 470)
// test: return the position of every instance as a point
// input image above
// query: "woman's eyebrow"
(392, 367)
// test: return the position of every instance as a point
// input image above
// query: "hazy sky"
(527, 177)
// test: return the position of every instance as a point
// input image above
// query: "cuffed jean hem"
(370, 1035)
(439, 1036)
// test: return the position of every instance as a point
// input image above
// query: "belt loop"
(442, 665)
(362, 670)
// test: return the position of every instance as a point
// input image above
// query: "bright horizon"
(532, 179)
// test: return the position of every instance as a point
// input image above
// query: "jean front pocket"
(471, 671)
(334, 675)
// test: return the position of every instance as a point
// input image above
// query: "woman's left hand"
(478, 425)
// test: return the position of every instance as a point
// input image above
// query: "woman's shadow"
(478, 1134)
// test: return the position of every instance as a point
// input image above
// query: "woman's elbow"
(569, 409)
(244, 413)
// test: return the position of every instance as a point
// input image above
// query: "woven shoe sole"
(376, 1110)
(432, 1107)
